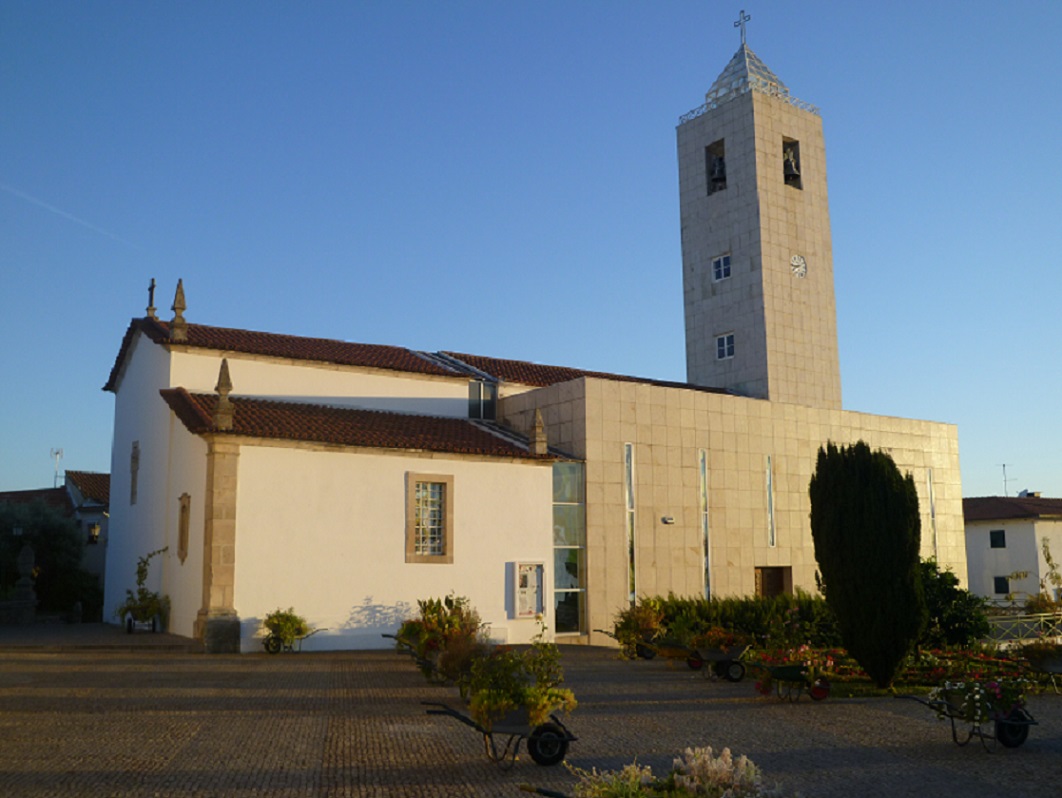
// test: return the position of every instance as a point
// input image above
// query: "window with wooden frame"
(429, 518)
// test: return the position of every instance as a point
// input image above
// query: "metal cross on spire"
(742, 19)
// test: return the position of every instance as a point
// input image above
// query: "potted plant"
(144, 606)
(284, 627)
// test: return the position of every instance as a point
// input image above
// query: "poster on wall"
(528, 599)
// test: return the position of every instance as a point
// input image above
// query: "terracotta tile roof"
(540, 376)
(392, 358)
(322, 350)
(295, 421)
(92, 485)
(53, 497)
(1001, 508)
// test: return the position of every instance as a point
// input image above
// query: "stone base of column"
(219, 630)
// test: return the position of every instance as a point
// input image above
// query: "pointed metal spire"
(537, 443)
(179, 327)
(223, 412)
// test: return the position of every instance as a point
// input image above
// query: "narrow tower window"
(715, 164)
(720, 268)
(724, 346)
(791, 163)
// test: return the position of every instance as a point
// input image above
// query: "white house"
(1005, 536)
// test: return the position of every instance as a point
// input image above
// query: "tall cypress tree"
(867, 531)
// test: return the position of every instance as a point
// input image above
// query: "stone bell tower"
(757, 264)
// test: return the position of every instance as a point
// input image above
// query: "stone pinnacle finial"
(224, 411)
(537, 443)
(151, 300)
(179, 327)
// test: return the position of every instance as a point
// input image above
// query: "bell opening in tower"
(715, 166)
(791, 163)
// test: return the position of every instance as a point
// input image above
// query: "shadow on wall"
(378, 618)
(363, 629)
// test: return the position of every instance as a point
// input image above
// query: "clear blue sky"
(500, 179)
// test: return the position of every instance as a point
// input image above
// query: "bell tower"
(757, 263)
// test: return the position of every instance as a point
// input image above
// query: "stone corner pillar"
(219, 630)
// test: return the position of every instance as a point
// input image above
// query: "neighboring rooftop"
(1001, 508)
(92, 486)
(53, 497)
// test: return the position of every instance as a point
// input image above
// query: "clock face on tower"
(798, 265)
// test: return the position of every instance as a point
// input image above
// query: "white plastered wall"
(140, 415)
(403, 392)
(323, 531)
(1023, 552)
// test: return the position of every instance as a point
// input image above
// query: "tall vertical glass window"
(569, 548)
(932, 509)
(703, 472)
(628, 480)
(771, 539)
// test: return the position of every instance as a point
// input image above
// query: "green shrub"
(956, 617)
(286, 625)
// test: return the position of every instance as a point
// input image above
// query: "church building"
(350, 480)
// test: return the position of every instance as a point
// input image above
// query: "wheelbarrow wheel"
(734, 671)
(1013, 730)
(547, 744)
(273, 644)
(694, 662)
(644, 652)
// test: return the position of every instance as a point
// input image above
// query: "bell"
(791, 169)
(718, 170)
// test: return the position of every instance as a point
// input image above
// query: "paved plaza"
(147, 715)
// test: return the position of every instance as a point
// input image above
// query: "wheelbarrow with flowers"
(547, 742)
(513, 696)
(992, 711)
(790, 681)
(722, 650)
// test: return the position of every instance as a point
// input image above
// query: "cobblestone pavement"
(139, 722)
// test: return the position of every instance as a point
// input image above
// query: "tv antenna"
(57, 454)
(1005, 480)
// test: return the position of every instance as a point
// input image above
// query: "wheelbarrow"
(1046, 664)
(1007, 726)
(274, 644)
(792, 681)
(725, 663)
(547, 743)
(649, 647)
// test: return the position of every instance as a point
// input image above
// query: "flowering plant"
(698, 772)
(719, 638)
(978, 702)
